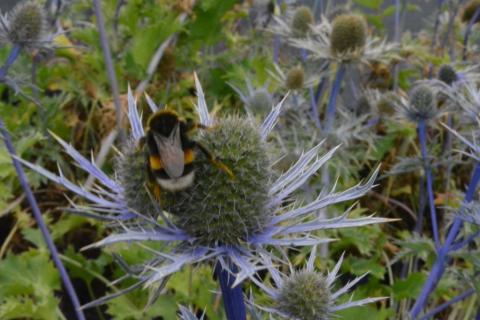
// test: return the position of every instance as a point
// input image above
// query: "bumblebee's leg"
(214, 161)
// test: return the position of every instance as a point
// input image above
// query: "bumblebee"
(171, 152)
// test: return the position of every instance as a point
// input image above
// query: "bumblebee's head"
(165, 140)
(164, 122)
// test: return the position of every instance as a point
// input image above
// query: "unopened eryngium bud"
(447, 74)
(26, 24)
(349, 33)
(469, 11)
(305, 296)
(260, 100)
(301, 21)
(295, 78)
(218, 208)
(422, 103)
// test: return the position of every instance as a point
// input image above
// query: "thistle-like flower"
(229, 221)
(308, 294)
(346, 40)
(469, 11)
(294, 78)
(24, 25)
(257, 100)
(421, 104)
(296, 23)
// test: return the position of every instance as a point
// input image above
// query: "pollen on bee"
(155, 162)
(189, 156)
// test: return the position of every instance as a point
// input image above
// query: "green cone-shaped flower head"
(349, 34)
(422, 103)
(26, 24)
(260, 100)
(305, 296)
(295, 78)
(301, 21)
(469, 11)
(218, 208)
(447, 74)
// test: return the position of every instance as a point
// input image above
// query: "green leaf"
(410, 287)
(371, 4)
(28, 284)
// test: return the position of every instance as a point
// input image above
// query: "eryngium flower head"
(24, 26)
(469, 11)
(447, 74)
(349, 34)
(260, 100)
(301, 21)
(257, 100)
(307, 294)
(218, 208)
(295, 78)
(346, 39)
(185, 239)
(421, 104)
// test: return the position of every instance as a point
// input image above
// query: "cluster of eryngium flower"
(232, 222)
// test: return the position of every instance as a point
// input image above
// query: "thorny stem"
(41, 224)
(438, 267)
(447, 304)
(468, 31)
(232, 297)
(422, 136)
(110, 70)
(10, 60)
(331, 107)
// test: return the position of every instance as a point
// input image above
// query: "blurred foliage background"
(227, 43)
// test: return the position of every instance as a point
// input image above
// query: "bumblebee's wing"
(171, 152)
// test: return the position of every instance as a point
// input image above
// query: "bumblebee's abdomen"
(164, 180)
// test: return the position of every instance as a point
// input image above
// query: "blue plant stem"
(41, 224)
(422, 136)
(332, 102)
(14, 53)
(232, 297)
(447, 304)
(468, 31)
(313, 103)
(439, 265)
(110, 70)
(462, 243)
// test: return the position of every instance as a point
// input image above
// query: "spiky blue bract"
(241, 145)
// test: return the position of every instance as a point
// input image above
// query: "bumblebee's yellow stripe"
(189, 156)
(155, 162)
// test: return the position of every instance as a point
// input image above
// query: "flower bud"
(305, 296)
(447, 74)
(349, 33)
(26, 24)
(301, 21)
(295, 78)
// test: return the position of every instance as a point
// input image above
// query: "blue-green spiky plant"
(229, 221)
